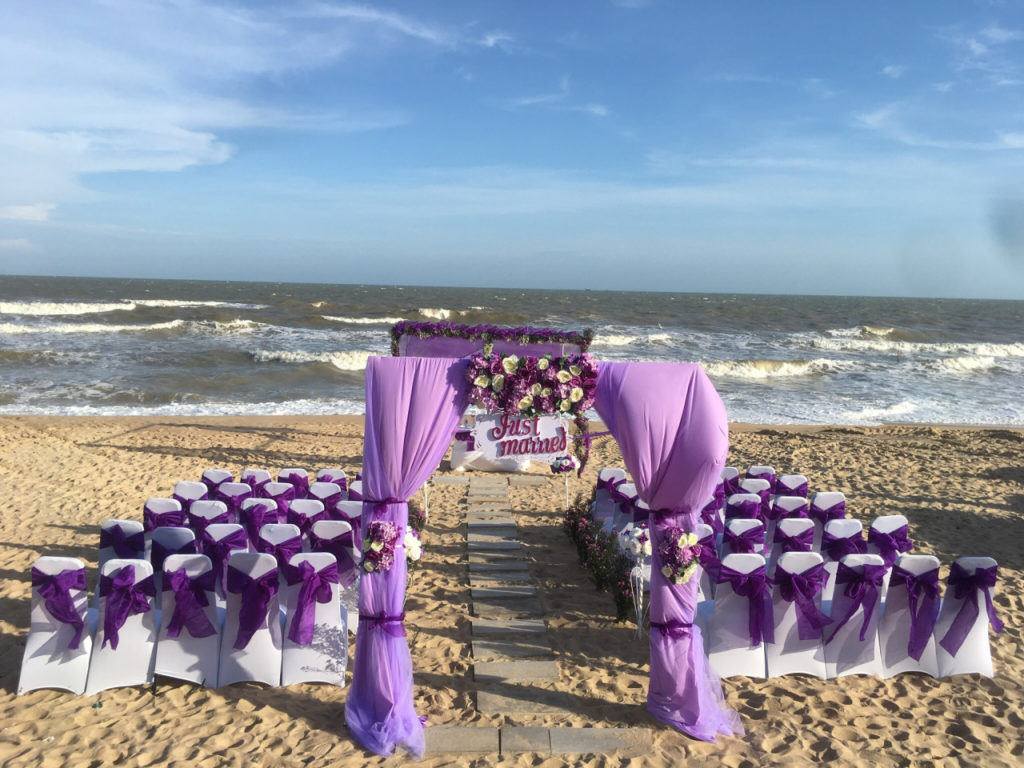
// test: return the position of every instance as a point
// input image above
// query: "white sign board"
(522, 438)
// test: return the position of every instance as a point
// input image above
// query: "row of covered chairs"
(275, 625)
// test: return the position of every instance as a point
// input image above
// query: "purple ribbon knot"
(190, 597)
(158, 552)
(305, 522)
(256, 595)
(747, 509)
(756, 587)
(798, 542)
(837, 547)
(862, 589)
(316, 588)
(802, 588)
(174, 518)
(391, 625)
(55, 589)
(822, 515)
(124, 598)
(750, 540)
(923, 602)
(282, 551)
(125, 546)
(673, 629)
(890, 545)
(340, 547)
(966, 586)
(219, 550)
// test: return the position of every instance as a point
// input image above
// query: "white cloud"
(558, 99)
(817, 87)
(895, 71)
(888, 121)
(33, 212)
(17, 245)
(999, 35)
(984, 52)
(944, 87)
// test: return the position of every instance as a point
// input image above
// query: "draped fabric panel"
(413, 406)
(672, 429)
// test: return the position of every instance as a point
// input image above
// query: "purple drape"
(413, 406)
(672, 429)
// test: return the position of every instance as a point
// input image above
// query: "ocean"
(79, 346)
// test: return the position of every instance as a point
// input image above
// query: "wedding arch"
(672, 429)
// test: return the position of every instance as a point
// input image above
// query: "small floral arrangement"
(679, 552)
(379, 546)
(413, 547)
(567, 463)
(532, 386)
(636, 541)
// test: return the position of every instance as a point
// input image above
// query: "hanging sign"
(530, 438)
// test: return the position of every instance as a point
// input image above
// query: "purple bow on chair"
(125, 598)
(233, 501)
(756, 587)
(282, 551)
(751, 540)
(707, 557)
(316, 588)
(282, 500)
(356, 521)
(299, 481)
(890, 545)
(199, 524)
(966, 586)
(219, 550)
(836, 512)
(329, 501)
(186, 504)
(254, 518)
(305, 522)
(799, 490)
(340, 547)
(190, 597)
(151, 520)
(923, 602)
(747, 509)
(56, 593)
(126, 546)
(862, 589)
(801, 588)
(338, 478)
(391, 625)
(256, 595)
(837, 547)
(709, 515)
(466, 436)
(158, 552)
(798, 542)
(731, 485)
(213, 485)
(764, 476)
(256, 485)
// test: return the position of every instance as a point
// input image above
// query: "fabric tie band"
(749, 541)
(190, 597)
(862, 589)
(282, 551)
(837, 547)
(220, 550)
(340, 547)
(174, 518)
(124, 598)
(747, 509)
(966, 587)
(126, 546)
(56, 593)
(756, 587)
(674, 629)
(923, 603)
(158, 553)
(798, 542)
(802, 588)
(316, 588)
(890, 545)
(256, 595)
(391, 625)
(836, 512)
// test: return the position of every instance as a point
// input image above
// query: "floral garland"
(567, 463)
(489, 333)
(532, 386)
(379, 546)
(679, 553)
(636, 541)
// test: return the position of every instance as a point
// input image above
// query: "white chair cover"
(324, 657)
(215, 534)
(791, 526)
(188, 656)
(131, 662)
(255, 478)
(885, 524)
(129, 543)
(825, 500)
(897, 619)
(841, 529)
(791, 485)
(783, 507)
(258, 657)
(212, 478)
(302, 513)
(348, 560)
(845, 652)
(705, 586)
(355, 490)
(48, 661)
(325, 492)
(623, 513)
(790, 654)
(975, 654)
(739, 526)
(165, 541)
(187, 491)
(729, 646)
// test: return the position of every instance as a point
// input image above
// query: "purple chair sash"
(747, 509)
(707, 557)
(355, 521)
(785, 490)
(254, 518)
(174, 518)
(776, 512)
(256, 485)
(862, 589)
(127, 546)
(158, 552)
(339, 546)
(282, 551)
(751, 540)
(316, 588)
(890, 545)
(233, 501)
(190, 597)
(770, 477)
(186, 503)
(199, 524)
(801, 588)
(299, 481)
(125, 598)
(391, 625)
(329, 477)
(220, 550)
(756, 587)
(923, 602)
(837, 547)
(329, 501)
(256, 595)
(55, 589)
(466, 435)
(731, 485)
(836, 512)
(966, 587)
(305, 522)
(212, 486)
(799, 542)
(282, 500)
(709, 515)
(354, 495)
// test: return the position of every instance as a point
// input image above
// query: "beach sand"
(961, 489)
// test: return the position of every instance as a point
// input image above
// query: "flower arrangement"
(379, 546)
(568, 463)
(636, 541)
(679, 552)
(413, 547)
(489, 333)
(531, 386)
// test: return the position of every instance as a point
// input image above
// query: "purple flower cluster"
(488, 334)
(379, 546)
(531, 386)
(679, 552)
(567, 463)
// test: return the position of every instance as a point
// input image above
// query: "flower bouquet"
(679, 552)
(532, 386)
(379, 546)
(413, 548)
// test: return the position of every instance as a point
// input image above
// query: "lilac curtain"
(672, 429)
(413, 406)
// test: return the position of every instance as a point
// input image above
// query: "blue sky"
(794, 147)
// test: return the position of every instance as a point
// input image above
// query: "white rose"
(666, 572)
(576, 394)
(482, 381)
(497, 383)
(542, 364)
(413, 553)
(564, 376)
(575, 370)
(526, 402)
(565, 405)
(635, 547)
(536, 389)
(367, 566)
(510, 364)
(648, 550)
(546, 392)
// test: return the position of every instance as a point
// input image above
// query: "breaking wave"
(345, 360)
(775, 369)
(363, 320)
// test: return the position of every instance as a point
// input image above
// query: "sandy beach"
(962, 490)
